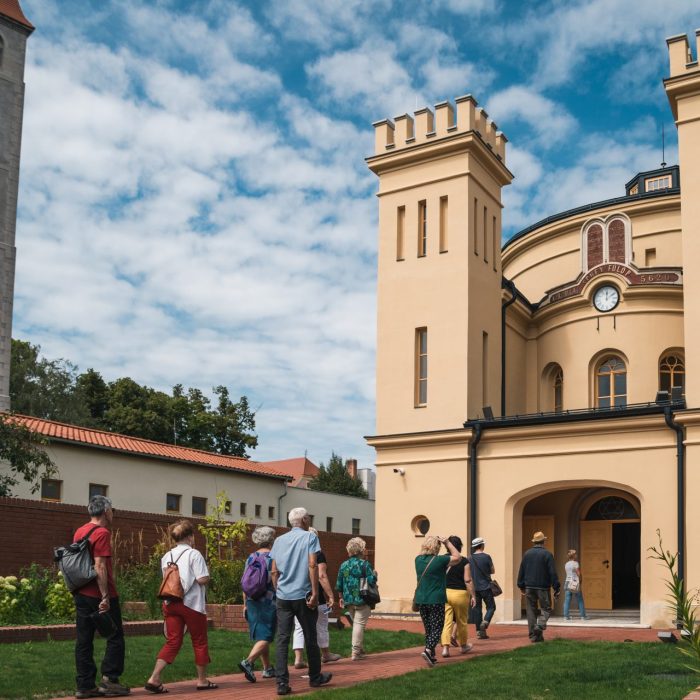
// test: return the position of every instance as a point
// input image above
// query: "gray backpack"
(75, 562)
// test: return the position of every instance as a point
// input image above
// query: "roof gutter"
(279, 506)
(473, 485)
(505, 284)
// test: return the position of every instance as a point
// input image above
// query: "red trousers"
(177, 615)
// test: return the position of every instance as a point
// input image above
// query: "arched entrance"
(610, 552)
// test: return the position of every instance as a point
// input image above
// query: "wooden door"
(534, 523)
(596, 563)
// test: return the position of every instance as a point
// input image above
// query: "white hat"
(478, 541)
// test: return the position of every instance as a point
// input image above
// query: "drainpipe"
(505, 284)
(476, 438)
(279, 505)
(680, 477)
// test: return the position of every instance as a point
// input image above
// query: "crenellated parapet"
(680, 54)
(447, 120)
(684, 79)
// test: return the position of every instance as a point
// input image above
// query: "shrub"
(15, 599)
(225, 582)
(59, 601)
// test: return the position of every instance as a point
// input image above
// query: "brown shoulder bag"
(171, 586)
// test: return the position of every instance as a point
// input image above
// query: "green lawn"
(48, 668)
(557, 669)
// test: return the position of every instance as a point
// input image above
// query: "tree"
(20, 449)
(335, 479)
(94, 394)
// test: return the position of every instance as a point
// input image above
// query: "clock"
(606, 298)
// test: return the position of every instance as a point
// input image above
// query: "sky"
(194, 203)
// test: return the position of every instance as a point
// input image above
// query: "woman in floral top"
(348, 587)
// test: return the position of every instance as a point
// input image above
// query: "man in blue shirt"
(295, 576)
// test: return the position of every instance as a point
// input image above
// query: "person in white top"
(188, 613)
(572, 585)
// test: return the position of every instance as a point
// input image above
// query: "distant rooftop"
(648, 184)
(11, 10)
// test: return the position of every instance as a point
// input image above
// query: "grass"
(558, 669)
(48, 668)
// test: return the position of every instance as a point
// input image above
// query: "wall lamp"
(399, 471)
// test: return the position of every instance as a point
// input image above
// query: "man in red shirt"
(100, 595)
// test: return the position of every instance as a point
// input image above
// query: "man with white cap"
(536, 576)
(482, 569)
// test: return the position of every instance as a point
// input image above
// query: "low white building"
(152, 477)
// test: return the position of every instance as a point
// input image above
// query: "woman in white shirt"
(572, 585)
(188, 613)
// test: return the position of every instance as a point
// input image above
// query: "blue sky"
(194, 203)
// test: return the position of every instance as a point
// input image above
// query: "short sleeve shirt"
(571, 567)
(481, 570)
(290, 553)
(100, 546)
(191, 566)
(431, 589)
(349, 575)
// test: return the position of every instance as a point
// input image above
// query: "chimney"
(351, 466)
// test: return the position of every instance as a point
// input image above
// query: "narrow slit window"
(400, 228)
(484, 368)
(422, 229)
(495, 242)
(559, 391)
(421, 380)
(443, 224)
(486, 235)
(476, 226)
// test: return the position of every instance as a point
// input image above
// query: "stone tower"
(14, 31)
(439, 266)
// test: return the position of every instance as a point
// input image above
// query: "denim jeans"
(113, 661)
(485, 596)
(287, 610)
(567, 603)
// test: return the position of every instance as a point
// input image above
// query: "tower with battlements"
(15, 28)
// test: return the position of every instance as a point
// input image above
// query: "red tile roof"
(64, 432)
(12, 10)
(298, 467)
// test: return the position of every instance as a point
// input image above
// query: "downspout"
(680, 479)
(505, 284)
(279, 505)
(476, 438)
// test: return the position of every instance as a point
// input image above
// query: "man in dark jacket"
(536, 576)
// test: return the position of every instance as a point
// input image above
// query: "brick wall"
(30, 529)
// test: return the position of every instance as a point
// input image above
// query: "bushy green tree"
(334, 478)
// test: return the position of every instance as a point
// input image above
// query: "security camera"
(399, 471)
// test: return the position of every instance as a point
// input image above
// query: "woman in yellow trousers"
(460, 595)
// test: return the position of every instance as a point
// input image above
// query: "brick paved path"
(392, 663)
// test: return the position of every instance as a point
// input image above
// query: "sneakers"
(446, 653)
(268, 672)
(247, 669)
(283, 689)
(300, 665)
(331, 657)
(112, 689)
(481, 635)
(466, 649)
(359, 657)
(321, 680)
(428, 658)
(537, 635)
(92, 693)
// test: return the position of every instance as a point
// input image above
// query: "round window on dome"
(420, 526)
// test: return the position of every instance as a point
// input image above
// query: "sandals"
(208, 686)
(155, 689)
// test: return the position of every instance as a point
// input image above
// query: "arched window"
(558, 385)
(594, 246)
(616, 241)
(672, 372)
(611, 383)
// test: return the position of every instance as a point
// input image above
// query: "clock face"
(606, 298)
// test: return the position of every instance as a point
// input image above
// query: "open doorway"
(625, 564)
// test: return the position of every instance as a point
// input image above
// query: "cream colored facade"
(566, 335)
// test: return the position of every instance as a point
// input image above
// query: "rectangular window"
(634, 189)
(311, 519)
(97, 490)
(227, 508)
(199, 506)
(475, 223)
(243, 508)
(495, 243)
(355, 526)
(258, 511)
(657, 183)
(650, 257)
(485, 369)
(51, 489)
(400, 228)
(270, 512)
(329, 524)
(421, 370)
(486, 235)
(172, 502)
(422, 229)
(443, 224)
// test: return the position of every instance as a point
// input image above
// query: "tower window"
(476, 226)
(495, 242)
(594, 246)
(400, 224)
(611, 383)
(559, 391)
(616, 241)
(486, 235)
(672, 373)
(421, 367)
(443, 224)
(422, 229)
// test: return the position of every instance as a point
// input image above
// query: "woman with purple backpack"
(260, 604)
